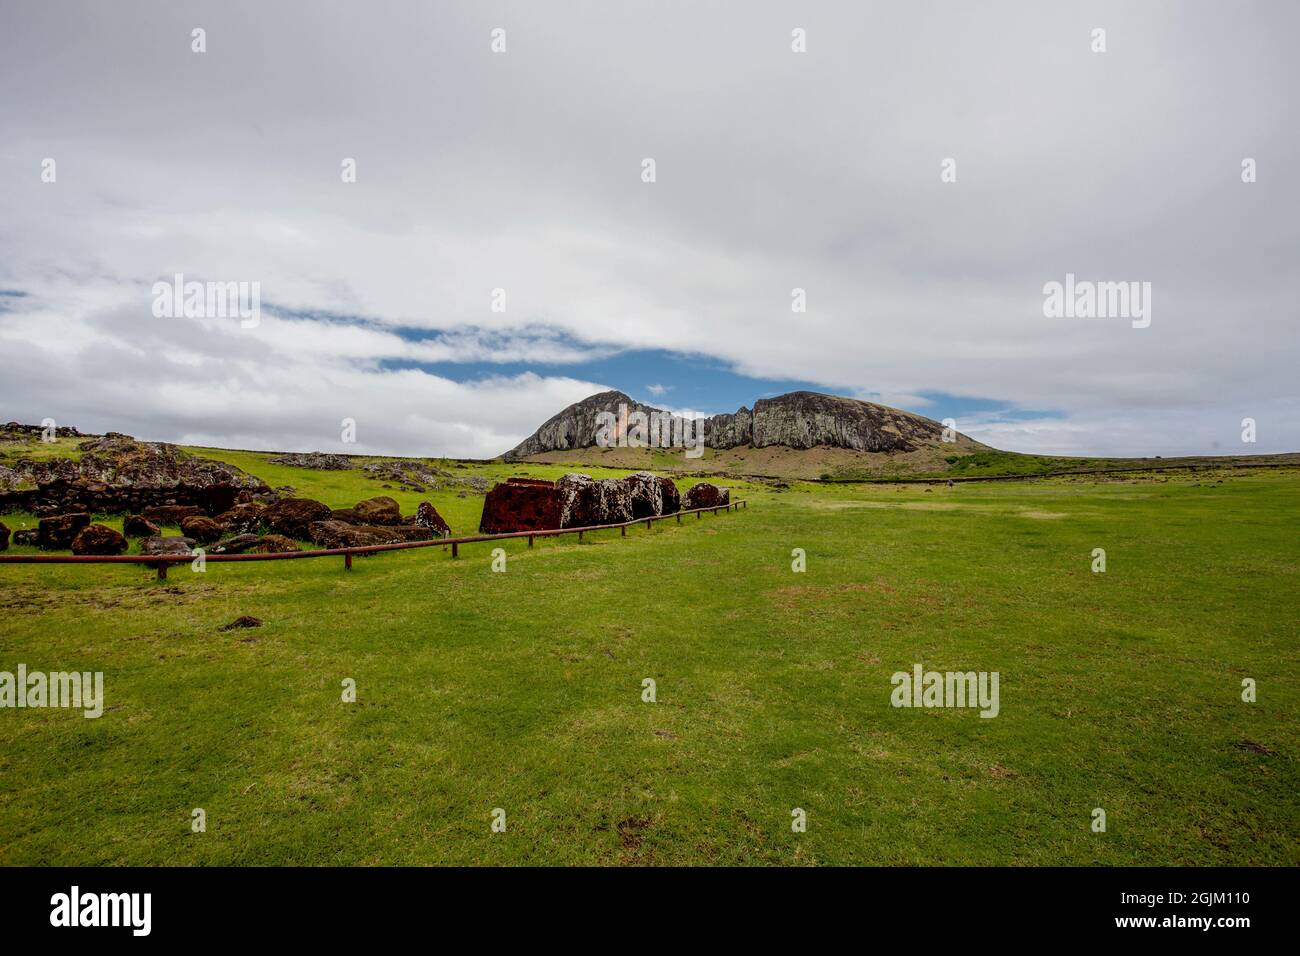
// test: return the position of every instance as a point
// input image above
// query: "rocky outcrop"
(292, 517)
(315, 460)
(729, 431)
(794, 420)
(520, 504)
(116, 473)
(706, 495)
(577, 426)
(98, 539)
(4, 536)
(13, 431)
(57, 532)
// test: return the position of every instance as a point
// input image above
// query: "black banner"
(330, 906)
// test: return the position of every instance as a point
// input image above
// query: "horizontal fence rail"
(161, 561)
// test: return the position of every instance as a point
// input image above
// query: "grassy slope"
(522, 690)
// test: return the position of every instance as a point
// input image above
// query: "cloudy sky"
(775, 170)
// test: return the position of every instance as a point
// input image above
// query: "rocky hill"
(797, 420)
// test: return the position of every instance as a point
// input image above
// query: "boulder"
(520, 504)
(58, 533)
(168, 545)
(243, 518)
(426, 516)
(340, 534)
(316, 460)
(4, 536)
(171, 514)
(346, 514)
(138, 526)
(379, 510)
(201, 529)
(98, 539)
(585, 501)
(651, 495)
(705, 495)
(292, 517)
(274, 544)
(236, 545)
(28, 536)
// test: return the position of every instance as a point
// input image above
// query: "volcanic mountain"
(805, 432)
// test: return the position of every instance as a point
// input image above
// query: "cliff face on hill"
(794, 420)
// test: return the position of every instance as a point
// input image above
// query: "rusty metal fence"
(161, 561)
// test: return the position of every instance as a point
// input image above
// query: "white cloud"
(521, 172)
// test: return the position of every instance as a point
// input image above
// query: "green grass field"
(523, 690)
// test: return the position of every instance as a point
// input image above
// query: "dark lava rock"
(4, 536)
(116, 473)
(58, 533)
(793, 420)
(380, 510)
(242, 518)
(705, 495)
(236, 545)
(426, 516)
(293, 516)
(138, 526)
(340, 534)
(242, 622)
(585, 501)
(651, 495)
(171, 514)
(274, 544)
(98, 539)
(316, 460)
(201, 529)
(520, 504)
(30, 536)
(170, 545)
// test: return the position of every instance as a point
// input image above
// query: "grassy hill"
(523, 690)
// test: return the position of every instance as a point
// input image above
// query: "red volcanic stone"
(98, 539)
(170, 514)
(705, 495)
(201, 529)
(292, 517)
(243, 518)
(59, 531)
(520, 504)
(138, 526)
(426, 516)
(380, 510)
